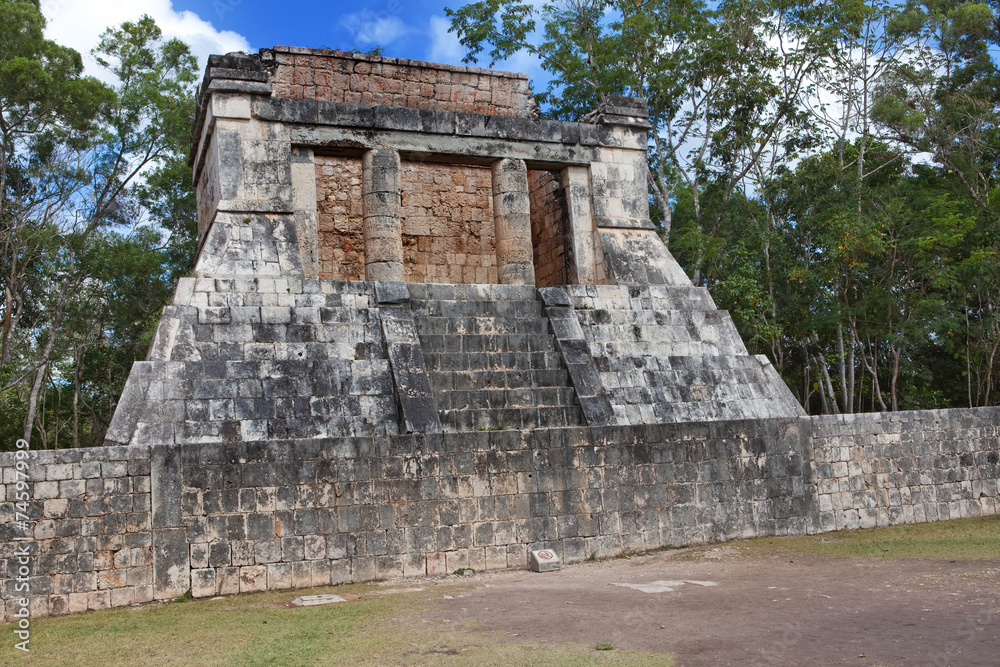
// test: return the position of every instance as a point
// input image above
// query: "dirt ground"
(718, 607)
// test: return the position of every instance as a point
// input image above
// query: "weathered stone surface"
(512, 220)
(296, 426)
(416, 400)
(434, 503)
(317, 600)
(382, 228)
(544, 560)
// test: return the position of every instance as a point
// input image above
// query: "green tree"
(943, 97)
(104, 223)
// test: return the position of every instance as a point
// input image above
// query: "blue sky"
(416, 29)
(404, 28)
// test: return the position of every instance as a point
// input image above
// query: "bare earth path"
(769, 610)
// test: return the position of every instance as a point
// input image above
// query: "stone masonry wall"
(447, 219)
(887, 469)
(316, 512)
(548, 228)
(119, 525)
(92, 530)
(335, 76)
(339, 214)
(252, 359)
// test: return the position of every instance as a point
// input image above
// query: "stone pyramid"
(394, 247)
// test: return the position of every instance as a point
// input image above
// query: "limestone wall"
(335, 76)
(548, 228)
(117, 525)
(892, 468)
(447, 218)
(289, 431)
(339, 213)
(273, 200)
(91, 526)
(250, 359)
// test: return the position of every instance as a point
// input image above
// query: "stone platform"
(251, 359)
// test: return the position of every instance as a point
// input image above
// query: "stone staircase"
(491, 359)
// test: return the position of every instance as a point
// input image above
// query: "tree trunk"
(843, 367)
(76, 401)
(29, 419)
(894, 381)
(46, 354)
(850, 379)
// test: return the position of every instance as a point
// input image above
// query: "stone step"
(699, 411)
(492, 361)
(481, 343)
(506, 309)
(651, 318)
(477, 343)
(651, 335)
(473, 343)
(725, 364)
(532, 397)
(476, 380)
(451, 326)
(656, 297)
(510, 419)
(625, 352)
(699, 390)
(469, 292)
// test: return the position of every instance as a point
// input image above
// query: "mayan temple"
(427, 331)
(393, 247)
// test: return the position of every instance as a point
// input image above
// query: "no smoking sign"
(544, 560)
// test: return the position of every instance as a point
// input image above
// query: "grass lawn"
(961, 539)
(374, 627)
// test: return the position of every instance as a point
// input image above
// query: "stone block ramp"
(246, 359)
(667, 354)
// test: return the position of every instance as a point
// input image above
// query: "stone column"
(305, 206)
(382, 228)
(581, 260)
(512, 220)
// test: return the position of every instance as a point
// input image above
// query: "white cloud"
(79, 24)
(445, 47)
(525, 62)
(370, 28)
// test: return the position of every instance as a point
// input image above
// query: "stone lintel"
(428, 121)
(456, 149)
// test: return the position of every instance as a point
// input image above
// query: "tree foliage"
(96, 218)
(827, 169)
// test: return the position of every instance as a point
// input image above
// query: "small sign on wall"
(544, 560)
